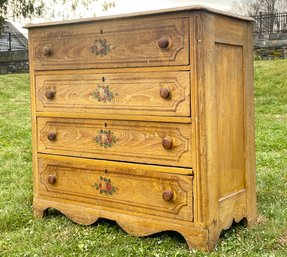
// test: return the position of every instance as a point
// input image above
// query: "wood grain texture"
(105, 45)
(132, 189)
(153, 13)
(219, 120)
(232, 208)
(250, 164)
(117, 140)
(229, 31)
(207, 141)
(33, 120)
(145, 226)
(99, 116)
(120, 165)
(107, 145)
(230, 122)
(115, 93)
(115, 70)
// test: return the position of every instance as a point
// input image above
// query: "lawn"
(55, 235)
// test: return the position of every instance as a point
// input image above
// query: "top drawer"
(129, 43)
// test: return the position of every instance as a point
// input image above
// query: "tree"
(254, 7)
(15, 9)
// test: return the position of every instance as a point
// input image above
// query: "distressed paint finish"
(111, 121)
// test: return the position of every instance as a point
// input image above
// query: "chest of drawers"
(145, 119)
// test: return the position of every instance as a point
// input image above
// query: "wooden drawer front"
(116, 140)
(154, 93)
(112, 44)
(131, 189)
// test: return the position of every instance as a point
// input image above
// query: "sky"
(126, 6)
(122, 6)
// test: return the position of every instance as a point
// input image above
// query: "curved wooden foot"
(74, 213)
(135, 225)
(250, 222)
(39, 213)
(196, 238)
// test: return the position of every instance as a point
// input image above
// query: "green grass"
(22, 235)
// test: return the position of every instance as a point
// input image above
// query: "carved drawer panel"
(142, 142)
(126, 187)
(104, 45)
(154, 93)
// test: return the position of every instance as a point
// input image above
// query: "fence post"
(9, 42)
(260, 25)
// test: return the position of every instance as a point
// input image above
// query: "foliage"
(19, 8)
(254, 7)
(16, 9)
(23, 235)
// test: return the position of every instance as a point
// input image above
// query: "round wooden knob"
(47, 51)
(167, 142)
(165, 93)
(52, 136)
(50, 93)
(163, 42)
(52, 179)
(167, 195)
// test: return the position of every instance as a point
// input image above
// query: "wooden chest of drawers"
(147, 120)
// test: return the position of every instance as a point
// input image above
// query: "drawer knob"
(52, 136)
(47, 51)
(163, 42)
(52, 179)
(167, 142)
(167, 195)
(164, 93)
(50, 94)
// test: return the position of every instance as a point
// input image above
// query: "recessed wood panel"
(139, 142)
(115, 93)
(229, 82)
(131, 189)
(229, 31)
(106, 45)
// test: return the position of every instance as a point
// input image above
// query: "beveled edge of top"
(138, 14)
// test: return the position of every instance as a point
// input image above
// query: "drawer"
(142, 142)
(141, 43)
(126, 187)
(154, 93)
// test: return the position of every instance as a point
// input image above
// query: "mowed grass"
(55, 235)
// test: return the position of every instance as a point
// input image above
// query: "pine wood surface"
(134, 189)
(116, 140)
(148, 14)
(107, 45)
(145, 225)
(230, 125)
(208, 169)
(115, 93)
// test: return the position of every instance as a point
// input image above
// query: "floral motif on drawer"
(103, 94)
(101, 47)
(105, 138)
(105, 186)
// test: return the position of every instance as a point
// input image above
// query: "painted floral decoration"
(105, 138)
(101, 47)
(103, 94)
(105, 186)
